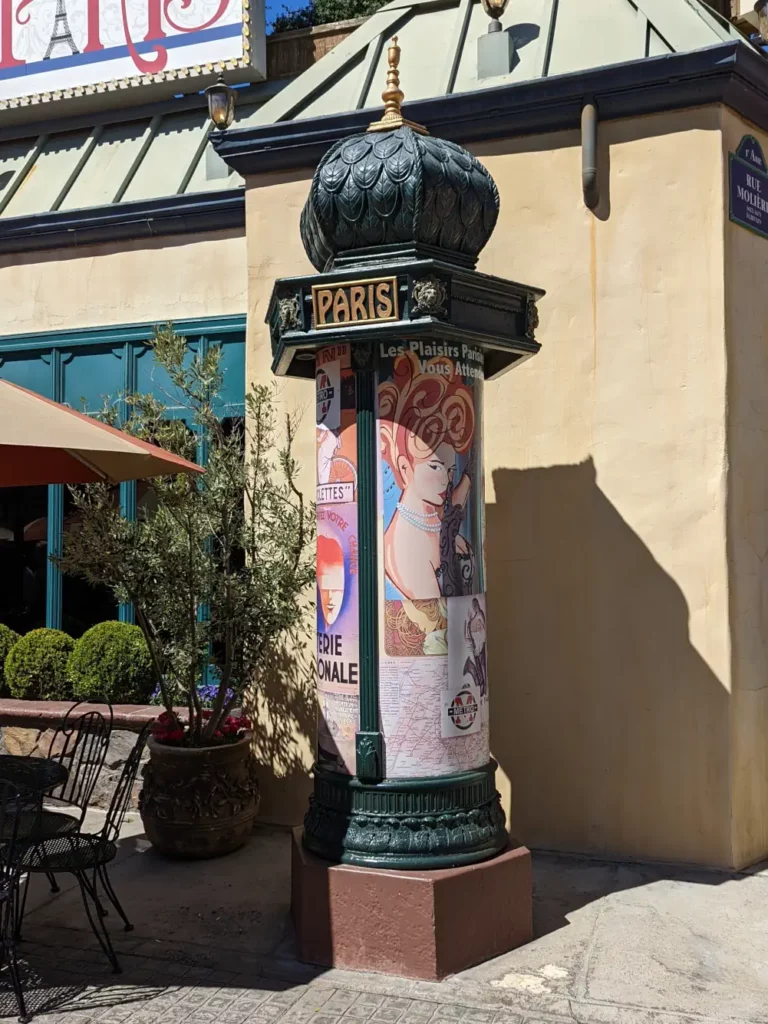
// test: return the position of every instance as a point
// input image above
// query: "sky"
(275, 7)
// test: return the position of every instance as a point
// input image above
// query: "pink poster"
(338, 681)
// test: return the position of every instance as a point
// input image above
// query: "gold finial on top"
(393, 97)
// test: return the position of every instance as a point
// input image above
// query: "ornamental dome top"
(396, 187)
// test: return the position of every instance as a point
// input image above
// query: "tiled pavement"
(615, 944)
(67, 985)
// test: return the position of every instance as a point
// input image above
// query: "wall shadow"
(283, 706)
(613, 730)
(523, 33)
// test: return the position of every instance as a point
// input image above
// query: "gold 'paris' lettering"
(355, 302)
(341, 307)
(324, 298)
(383, 300)
(357, 310)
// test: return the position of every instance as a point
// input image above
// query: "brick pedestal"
(415, 924)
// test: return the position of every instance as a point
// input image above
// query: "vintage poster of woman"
(337, 570)
(431, 506)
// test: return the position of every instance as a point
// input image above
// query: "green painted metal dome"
(398, 188)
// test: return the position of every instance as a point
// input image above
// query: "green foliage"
(216, 566)
(323, 12)
(8, 637)
(36, 666)
(111, 661)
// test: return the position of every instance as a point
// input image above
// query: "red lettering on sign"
(157, 11)
(7, 59)
(94, 42)
(184, 4)
(154, 31)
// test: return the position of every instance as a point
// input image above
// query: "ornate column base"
(406, 824)
(414, 924)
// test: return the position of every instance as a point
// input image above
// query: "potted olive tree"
(217, 570)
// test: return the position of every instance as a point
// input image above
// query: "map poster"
(412, 695)
(431, 506)
(339, 714)
(337, 653)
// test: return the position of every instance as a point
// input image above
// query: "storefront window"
(83, 605)
(89, 368)
(23, 549)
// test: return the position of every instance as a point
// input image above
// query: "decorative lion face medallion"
(288, 312)
(429, 297)
(531, 318)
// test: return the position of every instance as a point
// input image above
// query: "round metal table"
(34, 774)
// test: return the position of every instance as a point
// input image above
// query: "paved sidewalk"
(615, 944)
(75, 987)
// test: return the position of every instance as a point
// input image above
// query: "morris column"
(400, 332)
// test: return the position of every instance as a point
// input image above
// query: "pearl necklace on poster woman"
(419, 520)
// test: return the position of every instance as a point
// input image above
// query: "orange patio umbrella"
(42, 442)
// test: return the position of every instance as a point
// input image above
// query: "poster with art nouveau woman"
(337, 571)
(431, 509)
(429, 424)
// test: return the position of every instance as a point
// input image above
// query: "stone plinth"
(415, 924)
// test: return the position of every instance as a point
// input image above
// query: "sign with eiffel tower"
(62, 33)
(67, 49)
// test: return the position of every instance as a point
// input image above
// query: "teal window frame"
(128, 342)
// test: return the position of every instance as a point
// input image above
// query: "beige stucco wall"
(143, 281)
(288, 705)
(606, 475)
(626, 476)
(746, 261)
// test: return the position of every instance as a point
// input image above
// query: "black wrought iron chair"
(87, 855)
(11, 851)
(80, 744)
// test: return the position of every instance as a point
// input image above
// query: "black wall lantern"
(221, 104)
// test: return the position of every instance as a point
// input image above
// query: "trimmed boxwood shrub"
(36, 666)
(111, 661)
(8, 637)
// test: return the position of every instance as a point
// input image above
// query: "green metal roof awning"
(152, 170)
(143, 154)
(439, 44)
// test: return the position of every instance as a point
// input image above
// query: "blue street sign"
(749, 186)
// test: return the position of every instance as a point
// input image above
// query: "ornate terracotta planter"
(199, 802)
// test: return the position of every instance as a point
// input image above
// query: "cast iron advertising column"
(400, 333)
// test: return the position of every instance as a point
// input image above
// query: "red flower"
(241, 723)
(166, 735)
(207, 713)
(165, 718)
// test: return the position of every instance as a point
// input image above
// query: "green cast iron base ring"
(408, 824)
